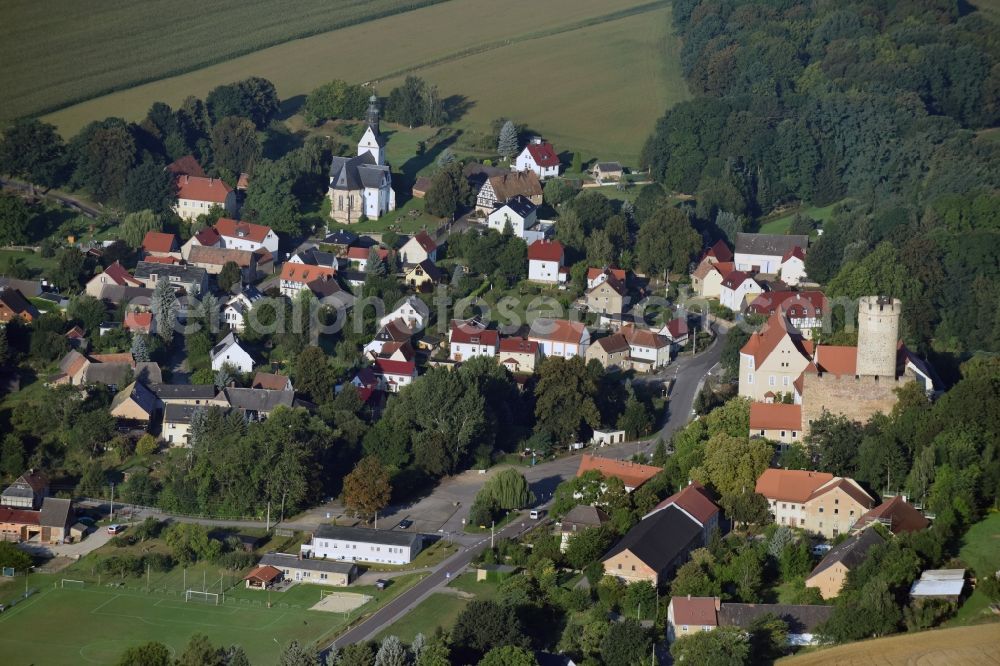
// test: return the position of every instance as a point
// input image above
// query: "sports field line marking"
(21, 605)
(94, 611)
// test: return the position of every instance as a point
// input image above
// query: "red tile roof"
(594, 273)
(264, 574)
(795, 304)
(900, 515)
(642, 337)
(792, 485)
(775, 416)
(186, 165)
(384, 366)
(361, 253)
(559, 330)
(720, 251)
(237, 229)
(763, 342)
(694, 500)
(425, 241)
(677, 328)
(543, 154)
(120, 357)
(19, 516)
(305, 273)
(734, 279)
(139, 321)
(518, 345)
(207, 236)
(545, 250)
(465, 333)
(120, 276)
(695, 611)
(794, 252)
(160, 260)
(632, 474)
(836, 359)
(157, 241)
(197, 188)
(270, 381)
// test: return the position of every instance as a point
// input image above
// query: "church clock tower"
(372, 141)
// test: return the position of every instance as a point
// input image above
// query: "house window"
(784, 506)
(821, 509)
(619, 567)
(836, 511)
(770, 380)
(750, 378)
(684, 628)
(836, 501)
(633, 567)
(782, 433)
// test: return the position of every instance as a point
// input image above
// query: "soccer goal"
(69, 582)
(211, 598)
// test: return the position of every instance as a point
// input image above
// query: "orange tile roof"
(263, 574)
(518, 345)
(695, 611)
(836, 359)
(305, 273)
(157, 241)
(693, 499)
(848, 486)
(270, 381)
(237, 229)
(642, 337)
(792, 485)
(775, 416)
(545, 250)
(632, 474)
(900, 514)
(198, 188)
(122, 357)
(594, 273)
(559, 330)
(139, 321)
(763, 342)
(160, 260)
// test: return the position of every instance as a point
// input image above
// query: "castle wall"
(878, 334)
(857, 398)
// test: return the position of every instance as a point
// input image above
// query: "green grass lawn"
(466, 582)
(980, 551)
(437, 610)
(780, 225)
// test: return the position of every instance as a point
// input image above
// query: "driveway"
(75, 551)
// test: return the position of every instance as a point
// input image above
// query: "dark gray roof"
(55, 512)
(224, 344)
(584, 516)
(293, 562)
(518, 203)
(179, 413)
(851, 552)
(28, 288)
(659, 539)
(184, 391)
(431, 270)
(15, 490)
(116, 293)
(352, 276)
(364, 535)
(116, 373)
(341, 237)
(769, 244)
(188, 274)
(258, 400)
(609, 166)
(354, 173)
(315, 257)
(800, 619)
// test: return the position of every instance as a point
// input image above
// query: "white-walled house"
(518, 212)
(237, 235)
(735, 289)
(196, 195)
(394, 375)
(229, 352)
(470, 338)
(412, 311)
(420, 247)
(793, 266)
(545, 262)
(358, 544)
(560, 337)
(235, 311)
(764, 253)
(538, 156)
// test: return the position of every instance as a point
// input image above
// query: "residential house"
(519, 355)
(944, 584)
(764, 253)
(804, 309)
(358, 544)
(360, 255)
(13, 305)
(676, 331)
(271, 382)
(896, 515)
(160, 245)
(296, 277)
(707, 278)
(341, 239)
(393, 331)
(540, 157)
(607, 171)
(214, 259)
(192, 395)
(396, 351)
(830, 574)
(694, 501)
(793, 266)
(317, 571)
(134, 404)
(653, 549)
(239, 235)
(238, 306)
(522, 216)
(176, 426)
(419, 247)
(776, 422)
(545, 262)
(581, 517)
(814, 501)
(115, 274)
(607, 437)
(196, 195)
(229, 352)
(607, 296)
(413, 312)
(423, 276)
(738, 289)
(648, 350)
(49, 524)
(611, 351)
(560, 337)
(718, 253)
(192, 279)
(204, 237)
(691, 615)
(257, 404)
(503, 187)
(394, 375)
(27, 491)
(139, 322)
(772, 360)
(595, 276)
(631, 474)
(470, 338)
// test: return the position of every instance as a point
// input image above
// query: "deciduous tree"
(367, 488)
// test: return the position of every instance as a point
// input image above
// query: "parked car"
(405, 524)
(821, 549)
(115, 529)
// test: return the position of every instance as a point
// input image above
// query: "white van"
(536, 514)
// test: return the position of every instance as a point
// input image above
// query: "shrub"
(159, 562)
(236, 559)
(146, 445)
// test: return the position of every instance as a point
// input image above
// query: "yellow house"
(653, 549)
(772, 359)
(423, 276)
(706, 280)
(135, 402)
(829, 575)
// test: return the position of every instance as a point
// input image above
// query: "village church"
(362, 185)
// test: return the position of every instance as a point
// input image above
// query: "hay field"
(56, 52)
(964, 646)
(589, 73)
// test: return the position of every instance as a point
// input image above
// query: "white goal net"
(67, 582)
(211, 598)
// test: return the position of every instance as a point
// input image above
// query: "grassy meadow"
(55, 52)
(588, 74)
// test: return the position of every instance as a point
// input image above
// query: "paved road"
(690, 373)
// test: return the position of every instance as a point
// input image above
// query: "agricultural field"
(56, 52)
(576, 50)
(964, 646)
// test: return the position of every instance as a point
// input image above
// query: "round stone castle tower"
(878, 335)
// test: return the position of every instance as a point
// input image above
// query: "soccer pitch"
(95, 624)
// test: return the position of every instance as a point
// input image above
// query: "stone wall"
(857, 398)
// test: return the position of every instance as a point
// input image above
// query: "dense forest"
(877, 106)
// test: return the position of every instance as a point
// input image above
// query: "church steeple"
(373, 114)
